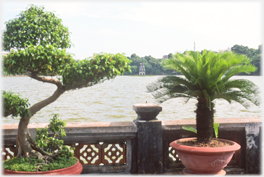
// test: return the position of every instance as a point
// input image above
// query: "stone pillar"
(148, 144)
(253, 148)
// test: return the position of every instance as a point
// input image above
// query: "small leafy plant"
(50, 143)
(192, 129)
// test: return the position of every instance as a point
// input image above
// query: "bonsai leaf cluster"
(53, 142)
(35, 27)
(14, 105)
(49, 139)
(207, 76)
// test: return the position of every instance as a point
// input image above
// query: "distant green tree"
(135, 63)
(134, 69)
(170, 55)
(152, 65)
(253, 54)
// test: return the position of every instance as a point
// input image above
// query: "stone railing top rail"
(78, 127)
(131, 126)
(224, 122)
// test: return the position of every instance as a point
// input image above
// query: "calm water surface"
(112, 101)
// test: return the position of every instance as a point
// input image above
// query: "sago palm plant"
(207, 77)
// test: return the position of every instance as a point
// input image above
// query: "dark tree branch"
(45, 79)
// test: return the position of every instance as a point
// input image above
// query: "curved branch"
(45, 79)
(38, 106)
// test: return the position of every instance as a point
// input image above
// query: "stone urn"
(204, 160)
(147, 111)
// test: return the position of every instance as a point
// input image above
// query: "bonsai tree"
(207, 77)
(37, 43)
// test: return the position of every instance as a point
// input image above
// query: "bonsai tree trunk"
(204, 122)
(25, 144)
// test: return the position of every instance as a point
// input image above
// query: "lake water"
(112, 101)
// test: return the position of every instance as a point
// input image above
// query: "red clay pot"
(72, 170)
(204, 160)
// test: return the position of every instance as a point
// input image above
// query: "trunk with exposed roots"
(26, 147)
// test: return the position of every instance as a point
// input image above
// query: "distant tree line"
(253, 54)
(153, 66)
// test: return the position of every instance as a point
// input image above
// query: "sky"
(153, 28)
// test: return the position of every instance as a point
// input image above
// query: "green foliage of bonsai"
(36, 27)
(53, 144)
(37, 42)
(14, 104)
(33, 164)
(207, 77)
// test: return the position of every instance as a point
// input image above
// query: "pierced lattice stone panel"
(113, 153)
(8, 152)
(173, 156)
(89, 154)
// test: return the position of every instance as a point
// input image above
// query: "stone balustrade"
(142, 146)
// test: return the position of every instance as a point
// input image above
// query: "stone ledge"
(83, 128)
(224, 122)
(75, 125)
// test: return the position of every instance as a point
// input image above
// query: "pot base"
(186, 172)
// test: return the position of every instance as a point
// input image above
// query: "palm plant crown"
(206, 78)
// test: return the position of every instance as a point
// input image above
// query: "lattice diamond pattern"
(89, 154)
(173, 156)
(8, 152)
(114, 153)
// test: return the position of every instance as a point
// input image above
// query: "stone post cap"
(147, 107)
(147, 111)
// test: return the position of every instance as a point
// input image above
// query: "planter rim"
(194, 149)
(44, 172)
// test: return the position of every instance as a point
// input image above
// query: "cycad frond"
(177, 65)
(206, 77)
(240, 97)
(244, 85)
(170, 87)
(240, 68)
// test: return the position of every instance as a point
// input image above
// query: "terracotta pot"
(204, 160)
(75, 169)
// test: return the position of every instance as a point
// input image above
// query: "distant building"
(228, 49)
(142, 69)
(165, 57)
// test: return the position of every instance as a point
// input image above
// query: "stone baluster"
(148, 144)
